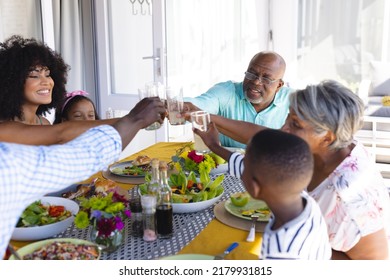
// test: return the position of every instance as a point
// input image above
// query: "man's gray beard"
(254, 101)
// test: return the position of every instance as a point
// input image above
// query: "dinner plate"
(114, 169)
(223, 167)
(252, 204)
(188, 257)
(28, 249)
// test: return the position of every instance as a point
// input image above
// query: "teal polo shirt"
(227, 99)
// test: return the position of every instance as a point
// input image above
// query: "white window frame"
(109, 99)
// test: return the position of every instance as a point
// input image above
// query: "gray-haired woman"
(346, 184)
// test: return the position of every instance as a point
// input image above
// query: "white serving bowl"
(194, 206)
(46, 231)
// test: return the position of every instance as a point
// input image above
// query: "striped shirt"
(303, 238)
(236, 164)
(29, 172)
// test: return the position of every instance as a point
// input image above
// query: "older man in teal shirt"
(261, 98)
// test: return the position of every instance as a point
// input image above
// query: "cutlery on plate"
(227, 251)
(251, 235)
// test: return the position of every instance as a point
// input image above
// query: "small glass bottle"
(164, 213)
(136, 217)
(155, 180)
(148, 203)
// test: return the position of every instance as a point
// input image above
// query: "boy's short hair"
(282, 157)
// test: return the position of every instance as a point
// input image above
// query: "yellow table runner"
(216, 237)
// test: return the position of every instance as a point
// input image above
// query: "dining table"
(206, 232)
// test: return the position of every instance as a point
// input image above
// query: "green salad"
(38, 214)
(188, 188)
(131, 170)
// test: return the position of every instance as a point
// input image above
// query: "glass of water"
(201, 121)
(152, 89)
(175, 105)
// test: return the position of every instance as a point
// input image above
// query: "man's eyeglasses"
(263, 80)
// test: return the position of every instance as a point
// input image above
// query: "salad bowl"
(187, 197)
(195, 206)
(49, 230)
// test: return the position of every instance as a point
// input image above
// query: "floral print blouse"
(353, 200)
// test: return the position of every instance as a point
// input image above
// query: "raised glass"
(201, 121)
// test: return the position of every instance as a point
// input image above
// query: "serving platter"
(252, 204)
(30, 248)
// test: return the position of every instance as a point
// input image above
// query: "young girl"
(77, 106)
(32, 80)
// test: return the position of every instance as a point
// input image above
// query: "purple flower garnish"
(127, 213)
(96, 214)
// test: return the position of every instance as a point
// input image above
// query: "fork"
(251, 235)
(227, 251)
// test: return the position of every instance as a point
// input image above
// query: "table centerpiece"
(106, 213)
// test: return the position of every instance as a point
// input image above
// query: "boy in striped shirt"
(278, 167)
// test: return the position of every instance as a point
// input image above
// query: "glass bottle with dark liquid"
(164, 213)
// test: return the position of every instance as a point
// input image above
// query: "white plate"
(123, 165)
(223, 168)
(46, 231)
(28, 249)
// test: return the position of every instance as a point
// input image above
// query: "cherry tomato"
(55, 211)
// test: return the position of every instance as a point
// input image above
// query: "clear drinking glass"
(201, 121)
(175, 105)
(152, 90)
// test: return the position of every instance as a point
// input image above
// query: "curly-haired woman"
(32, 80)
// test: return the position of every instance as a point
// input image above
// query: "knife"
(227, 251)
